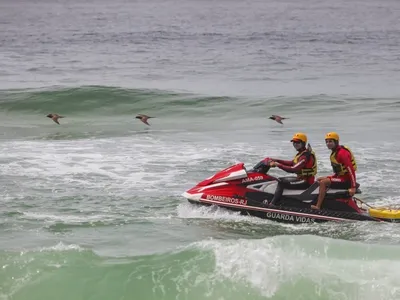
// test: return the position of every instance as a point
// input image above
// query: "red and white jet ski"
(249, 191)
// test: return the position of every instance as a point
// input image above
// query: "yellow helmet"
(299, 136)
(332, 136)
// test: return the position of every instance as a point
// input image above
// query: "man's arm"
(344, 158)
(293, 168)
(281, 161)
(284, 162)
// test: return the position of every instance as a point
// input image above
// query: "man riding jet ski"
(304, 165)
(344, 166)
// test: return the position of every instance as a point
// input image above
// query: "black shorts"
(339, 183)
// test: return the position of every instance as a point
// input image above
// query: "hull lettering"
(251, 179)
(278, 216)
(284, 217)
(304, 219)
(227, 199)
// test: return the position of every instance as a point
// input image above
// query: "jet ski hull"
(293, 215)
(250, 192)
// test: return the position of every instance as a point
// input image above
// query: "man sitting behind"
(344, 166)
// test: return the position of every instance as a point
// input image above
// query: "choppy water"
(91, 208)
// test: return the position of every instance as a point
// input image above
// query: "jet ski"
(251, 192)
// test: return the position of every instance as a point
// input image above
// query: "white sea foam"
(324, 267)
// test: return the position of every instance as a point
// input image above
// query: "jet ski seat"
(294, 178)
(287, 179)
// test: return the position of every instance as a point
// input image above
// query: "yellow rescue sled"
(383, 213)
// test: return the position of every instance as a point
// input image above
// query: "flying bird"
(277, 118)
(143, 118)
(55, 117)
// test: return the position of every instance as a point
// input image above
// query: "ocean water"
(92, 208)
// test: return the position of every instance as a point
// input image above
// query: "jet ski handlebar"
(262, 166)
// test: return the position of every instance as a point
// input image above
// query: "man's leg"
(324, 183)
(278, 193)
(290, 185)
